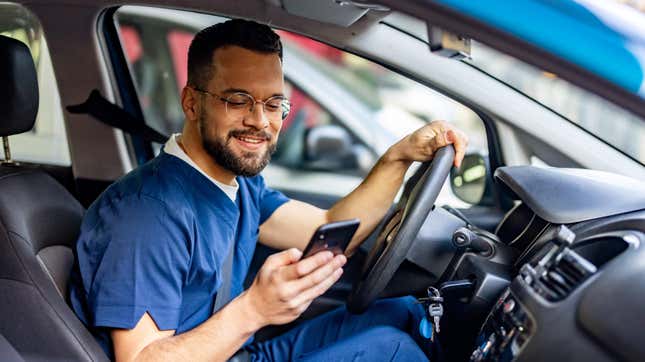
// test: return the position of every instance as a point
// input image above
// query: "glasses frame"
(286, 104)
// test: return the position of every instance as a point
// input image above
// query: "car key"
(436, 311)
(434, 296)
(435, 308)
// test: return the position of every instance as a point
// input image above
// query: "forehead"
(258, 73)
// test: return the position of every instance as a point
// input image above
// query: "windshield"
(612, 124)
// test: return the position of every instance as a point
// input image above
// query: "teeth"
(250, 140)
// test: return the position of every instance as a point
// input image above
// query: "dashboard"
(576, 290)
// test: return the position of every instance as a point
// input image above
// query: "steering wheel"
(399, 232)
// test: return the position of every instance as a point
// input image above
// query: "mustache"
(247, 132)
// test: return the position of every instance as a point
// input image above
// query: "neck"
(192, 145)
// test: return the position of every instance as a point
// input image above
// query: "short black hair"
(243, 33)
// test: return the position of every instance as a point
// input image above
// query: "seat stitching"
(17, 281)
(18, 173)
(48, 272)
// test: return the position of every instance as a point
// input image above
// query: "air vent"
(566, 272)
(560, 271)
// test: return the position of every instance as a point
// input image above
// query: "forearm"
(217, 339)
(372, 198)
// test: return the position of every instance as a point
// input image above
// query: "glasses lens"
(239, 100)
(241, 104)
(274, 108)
(286, 107)
(238, 104)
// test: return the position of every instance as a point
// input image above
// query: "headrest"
(18, 87)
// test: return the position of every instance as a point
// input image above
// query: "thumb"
(284, 257)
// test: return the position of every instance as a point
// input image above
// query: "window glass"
(47, 141)
(612, 124)
(337, 99)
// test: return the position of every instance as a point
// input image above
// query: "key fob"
(426, 329)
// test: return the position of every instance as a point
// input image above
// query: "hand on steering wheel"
(398, 234)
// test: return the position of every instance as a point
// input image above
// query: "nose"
(257, 117)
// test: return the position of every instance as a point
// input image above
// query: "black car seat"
(39, 223)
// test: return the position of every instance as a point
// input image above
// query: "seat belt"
(114, 116)
(223, 295)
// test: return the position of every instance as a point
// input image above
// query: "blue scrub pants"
(387, 331)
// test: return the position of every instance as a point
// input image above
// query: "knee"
(394, 343)
(386, 335)
(407, 301)
(406, 304)
(400, 302)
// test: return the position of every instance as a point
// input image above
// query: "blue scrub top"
(155, 242)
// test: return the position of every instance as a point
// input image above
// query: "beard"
(247, 164)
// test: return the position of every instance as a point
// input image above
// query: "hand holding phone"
(334, 236)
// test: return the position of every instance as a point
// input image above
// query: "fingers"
(310, 294)
(422, 144)
(284, 292)
(307, 265)
(460, 142)
(445, 134)
(283, 258)
(439, 140)
(440, 128)
(318, 275)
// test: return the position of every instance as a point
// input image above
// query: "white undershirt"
(172, 148)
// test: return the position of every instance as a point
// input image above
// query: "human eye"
(239, 100)
(274, 105)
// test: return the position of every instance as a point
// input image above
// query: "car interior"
(534, 243)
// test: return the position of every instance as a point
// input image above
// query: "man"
(152, 247)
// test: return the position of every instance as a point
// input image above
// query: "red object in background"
(179, 42)
(314, 47)
(301, 102)
(131, 43)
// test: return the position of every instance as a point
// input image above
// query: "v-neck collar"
(228, 208)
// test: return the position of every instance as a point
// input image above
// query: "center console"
(536, 317)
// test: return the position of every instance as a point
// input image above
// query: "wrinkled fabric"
(387, 331)
(155, 242)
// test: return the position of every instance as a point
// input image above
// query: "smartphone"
(334, 237)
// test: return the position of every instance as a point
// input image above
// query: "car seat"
(39, 223)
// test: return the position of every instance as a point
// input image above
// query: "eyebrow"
(239, 90)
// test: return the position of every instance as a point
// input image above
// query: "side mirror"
(330, 148)
(470, 182)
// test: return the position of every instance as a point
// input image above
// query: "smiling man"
(149, 278)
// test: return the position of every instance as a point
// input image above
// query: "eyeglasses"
(239, 104)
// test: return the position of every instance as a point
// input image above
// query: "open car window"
(371, 106)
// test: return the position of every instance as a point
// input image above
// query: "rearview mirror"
(469, 182)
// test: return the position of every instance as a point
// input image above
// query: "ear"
(189, 103)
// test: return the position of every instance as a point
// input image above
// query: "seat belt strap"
(223, 295)
(114, 116)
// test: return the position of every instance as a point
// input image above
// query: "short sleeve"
(143, 265)
(270, 200)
